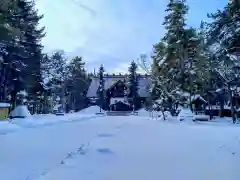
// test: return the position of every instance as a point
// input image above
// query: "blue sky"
(111, 32)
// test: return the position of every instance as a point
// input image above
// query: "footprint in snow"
(80, 151)
(105, 135)
(105, 151)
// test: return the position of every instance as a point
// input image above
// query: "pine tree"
(173, 68)
(20, 56)
(170, 55)
(133, 84)
(77, 84)
(7, 31)
(28, 21)
(193, 67)
(101, 88)
(224, 34)
(12, 65)
(6, 45)
(58, 78)
(158, 80)
(45, 67)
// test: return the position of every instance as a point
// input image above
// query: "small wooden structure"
(198, 104)
(4, 110)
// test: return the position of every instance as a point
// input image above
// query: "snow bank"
(91, 110)
(144, 112)
(20, 111)
(5, 105)
(156, 114)
(167, 114)
(36, 121)
(7, 127)
(201, 117)
(185, 114)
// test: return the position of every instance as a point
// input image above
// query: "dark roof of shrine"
(110, 80)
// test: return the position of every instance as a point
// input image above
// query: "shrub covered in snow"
(186, 114)
(20, 111)
(91, 110)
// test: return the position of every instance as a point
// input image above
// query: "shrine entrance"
(116, 97)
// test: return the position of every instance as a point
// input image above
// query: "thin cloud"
(109, 32)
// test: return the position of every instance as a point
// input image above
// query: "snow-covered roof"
(3, 105)
(198, 96)
(109, 81)
(159, 101)
(183, 94)
(219, 90)
(115, 100)
(23, 93)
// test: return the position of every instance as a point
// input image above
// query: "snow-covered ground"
(129, 148)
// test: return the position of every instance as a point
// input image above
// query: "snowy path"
(121, 148)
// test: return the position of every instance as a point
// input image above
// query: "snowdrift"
(20, 112)
(7, 127)
(91, 110)
(201, 117)
(156, 115)
(186, 114)
(144, 112)
(50, 119)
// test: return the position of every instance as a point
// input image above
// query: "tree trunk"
(209, 108)
(221, 108)
(190, 101)
(13, 99)
(3, 83)
(231, 102)
(164, 118)
(63, 98)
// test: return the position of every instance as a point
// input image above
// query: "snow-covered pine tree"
(133, 85)
(7, 31)
(207, 57)
(101, 88)
(59, 75)
(77, 84)
(46, 67)
(194, 66)
(224, 34)
(20, 52)
(28, 22)
(158, 80)
(173, 67)
(12, 55)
